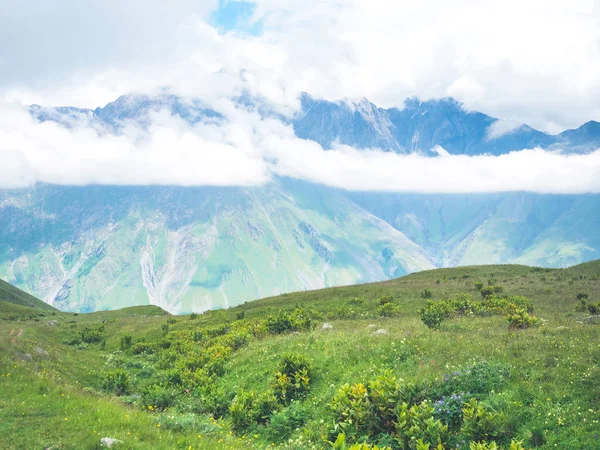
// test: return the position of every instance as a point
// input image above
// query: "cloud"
(535, 62)
(249, 150)
(501, 128)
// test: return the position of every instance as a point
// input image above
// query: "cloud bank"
(536, 62)
(246, 149)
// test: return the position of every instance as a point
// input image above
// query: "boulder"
(110, 442)
(327, 326)
(380, 332)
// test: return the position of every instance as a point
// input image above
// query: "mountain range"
(85, 248)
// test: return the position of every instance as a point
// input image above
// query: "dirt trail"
(11, 332)
(20, 332)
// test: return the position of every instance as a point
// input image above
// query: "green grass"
(11, 294)
(545, 380)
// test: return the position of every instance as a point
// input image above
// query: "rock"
(40, 351)
(593, 319)
(109, 442)
(52, 323)
(371, 326)
(327, 326)
(24, 356)
(380, 332)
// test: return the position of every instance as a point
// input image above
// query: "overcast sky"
(536, 62)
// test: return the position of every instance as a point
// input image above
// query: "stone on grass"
(380, 332)
(40, 351)
(110, 442)
(24, 356)
(327, 326)
(371, 326)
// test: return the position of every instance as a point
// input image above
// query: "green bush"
(479, 378)
(434, 314)
(293, 377)
(479, 424)
(491, 290)
(116, 382)
(478, 285)
(297, 320)
(417, 424)
(340, 444)
(427, 294)
(93, 333)
(193, 316)
(126, 341)
(158, 398)
(388, 310)
(283, 423)
(374, 410)
(249, 408)
(520, 319)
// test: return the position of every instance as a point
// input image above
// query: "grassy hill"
(297, 370)
(11, 294)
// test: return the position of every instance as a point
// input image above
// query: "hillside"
(11, 294)
(272, 374)
(92, 248)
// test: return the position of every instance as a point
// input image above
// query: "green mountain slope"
(214, 380)
(11, 294)
(194, 249)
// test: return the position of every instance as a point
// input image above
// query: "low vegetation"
(490, 357)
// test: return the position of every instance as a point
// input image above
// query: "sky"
(534, 62)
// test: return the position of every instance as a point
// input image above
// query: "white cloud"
(247, 150)
(536, 62)
(501, 128)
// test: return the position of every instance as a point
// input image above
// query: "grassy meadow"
(516, 368)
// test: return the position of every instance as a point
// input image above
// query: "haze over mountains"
(193, 248)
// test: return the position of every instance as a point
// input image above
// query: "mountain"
(184, 249)
(188, 249)
(418, 127)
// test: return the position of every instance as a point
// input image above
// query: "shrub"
(478, 285)
(434, 314)
(388, 310)
(449, 409)
(93, 333)
(417, 424)
(240, 315)
(297, 320)
(385, 299)
(491, 290)
(284, 422)
(157, 398)
(357, 301)
(116, 382)
(582, 296)
(126, 342)
(171, 320)
(249, 408)
(426, 294)
(293, 377)
(479, 424)
(340, 444)
(479, 378)
(193, 316)
(594, 308)
(373, 410)
(520, 319)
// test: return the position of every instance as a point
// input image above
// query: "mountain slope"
(14, 295)
(187, 249)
